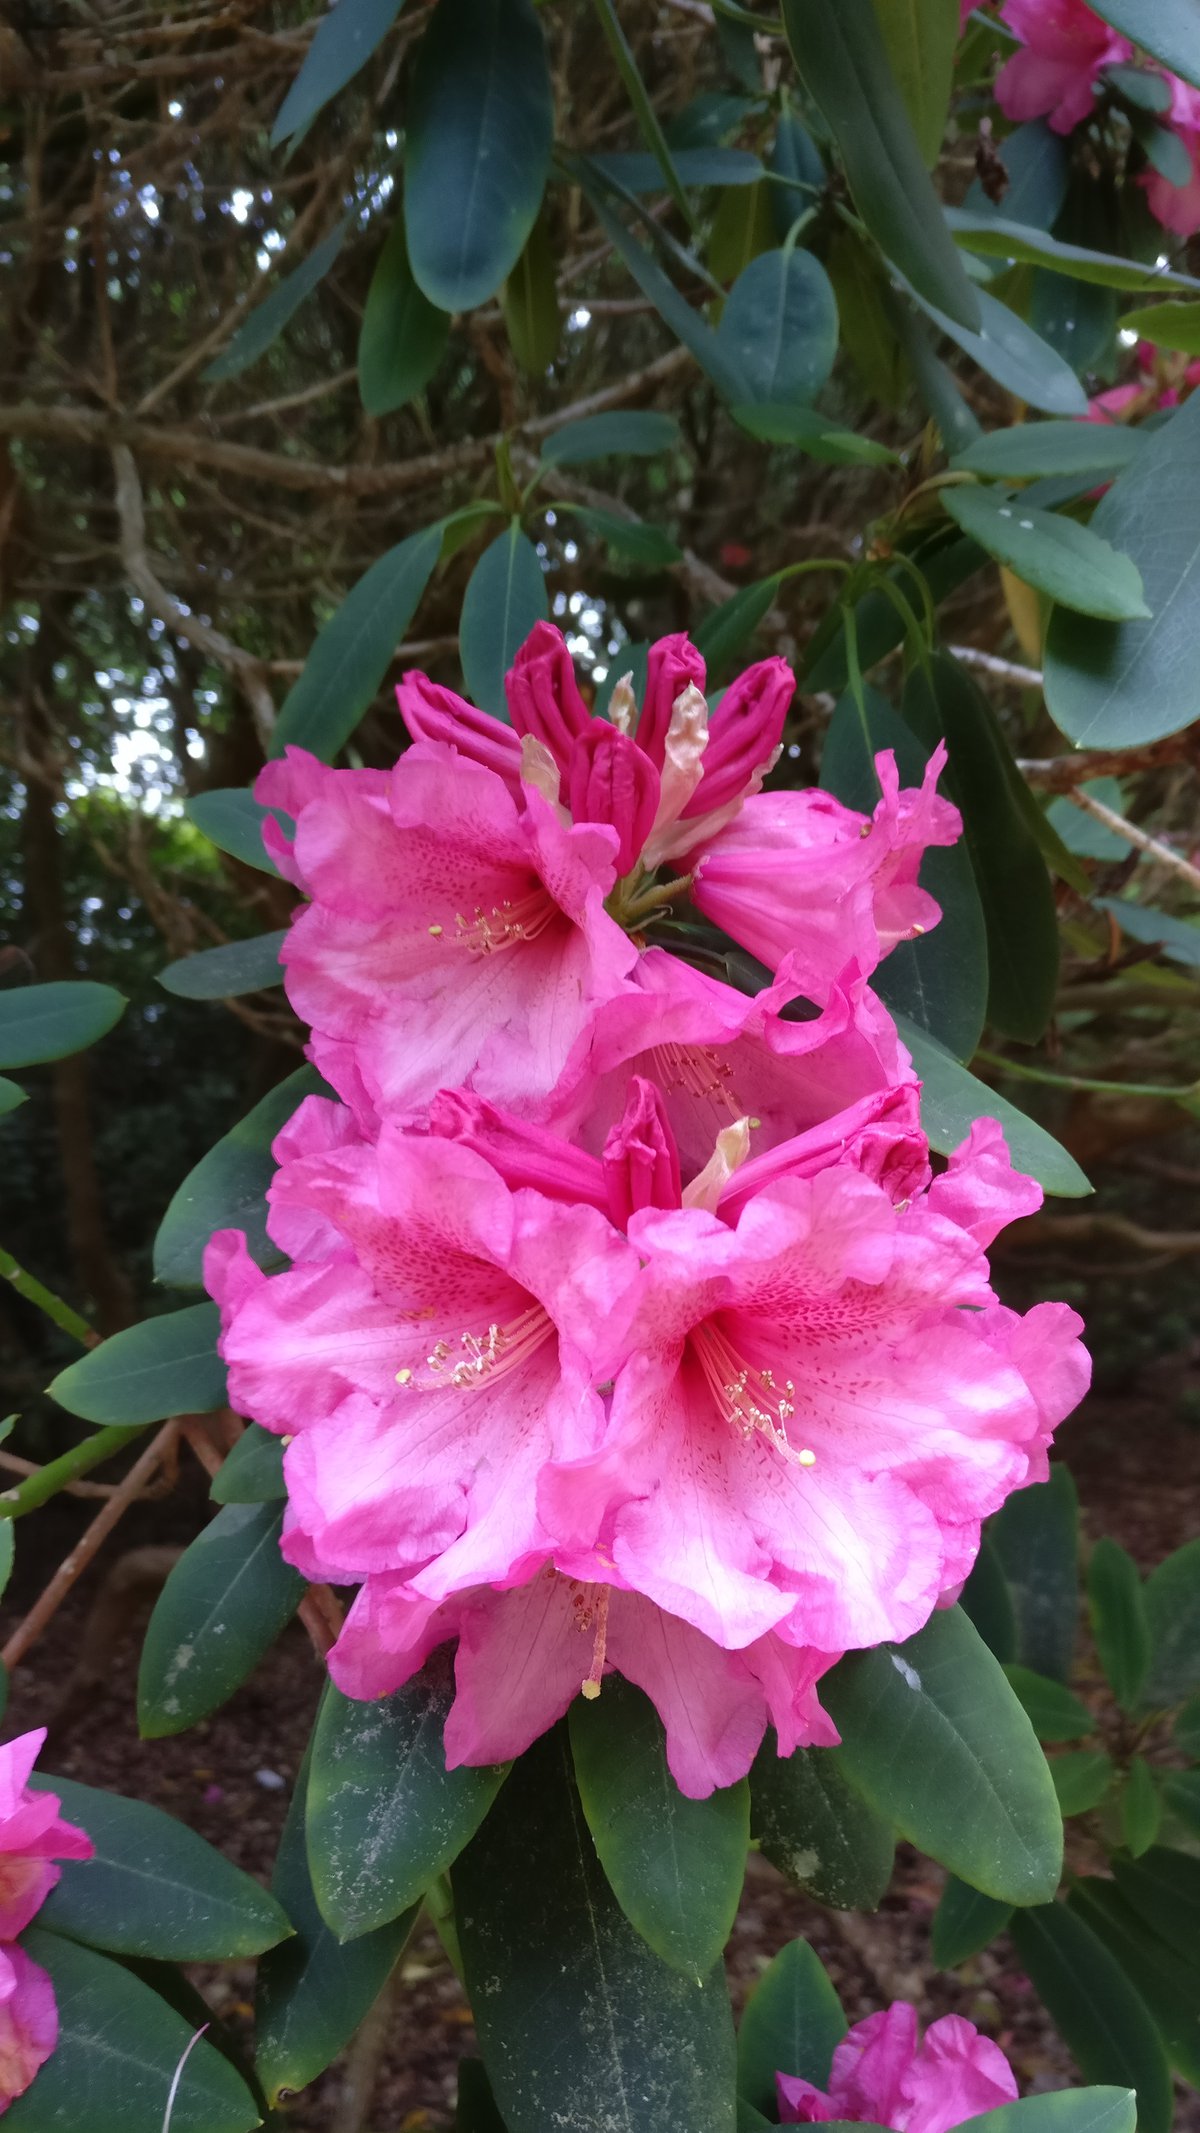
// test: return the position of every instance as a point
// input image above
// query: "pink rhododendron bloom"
(28, 2022)
(1162, 379)
(885, 2074)
(1064, 46)
(32, 1836)
(1177, 207)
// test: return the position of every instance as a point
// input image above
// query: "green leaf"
(920, 37)
(779, 328)
(1014, 355)
(1127, 683)
(227, 1188)
(636, 172)
(1038, 165)
(964, 1922)
(1036, 1537)
(264, 322)
(1175, 938)
(743, 228)
(938, 389)
(940, 980)
(1168, 326)
(1170, 1986)
(1081, 1779)
(222, 1607)
(166, 1366)
(941, 1703)
(985, 1598)
(631, 433)
(1103, 2019)
(403, 336)
(385, 1816)
(532, 318)
(945, 560)
(1141, 1808)
(506, 595)
(1054, 1713)
(253, 1471)
(997, 238)
(843, 61)
(685, 323)
(647, 116)
(343, 43)
(1010, 872)
(727, 629)
(154, 1888)
(1169, 31)
(11, 1096)
(630, 538)
(1163, 1887)
(813, 1824)
(1186, 1729)
(1095, 2110)
(1063, 559)
(675, 1865)
(354, 649)
(1181, 1798)
(7, 1551)
(313, 1992)
(1080, 832)
(1173, 1611)
(811, 432)
(232, 819)
(1120, 1623)
(118, 2052)
(476, 2110)
(1040, 448)
(546, 1946)
(51, 1021)
(480, 123)
(1146, 91)
(951, 1099)
(793, 2023)
(225, 973)
(866, 317)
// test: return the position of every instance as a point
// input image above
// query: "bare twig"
(1004, 669)
(1137, 837)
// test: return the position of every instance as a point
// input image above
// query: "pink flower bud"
(522, 1154)
(609, 779)
(543, 694)
(672, 664)
(743, 732)
(434, 713)
(641, 1161)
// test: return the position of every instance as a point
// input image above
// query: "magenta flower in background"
(32, 1836)
(885, 2074)
(1064, 46)
(28, 2022)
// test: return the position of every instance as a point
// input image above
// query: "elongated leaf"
(945, 560)
(352, 652)
(1082, 833)
(814, 1825)
(344, 42)
(1186, 1729)
(1095, 2110)
(743, 227)
(636, 172)
(1163, 1888)
(222, 1607)
(1063, 559)
(385, 1816)
(1014, 355)
(647, 117)
(506, 596)
(1168, 326)
(630, 538)
(1054, 1713)
(231, 818)
(1102, 2017)
(964, 1922)
(154, 1888)
(7, 1553)
(986, 1599)
(919, 37)
(1181, 1798)
(1037, 162)
(313, 1992)
(51, 1021)
(1081, 1779)
(951, 1099)
(789, 422)
(1120, 1623)
(779, 328)
(265, 322)
(1141, 1808)
(842, 58)
(227, 1188)
(224, 973)
(1036, 1537)
(724, 632)
(792, 2025)
(253, 1471)
(630, 433)
(1170, 1986)
(866, 317)
(476, 2109)
(544, 1951)
(11, 1096)
(531, 315)
(403, 336)
(1173, 1613)
(940, 1702)
(1040, 448)
(480, 122)
(675, 1865)
(685, 323)
(1170, 31)
(996, 237)
(165, 1366)
(1175, 938)
(119, 2049)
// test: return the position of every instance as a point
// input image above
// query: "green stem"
(439, 1902)
(49, 1480)
(37, 1293)
(1081, 1081)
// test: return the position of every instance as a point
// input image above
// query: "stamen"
(478, 1358)
(696, 1070)
(589, 1687)
(504, 924)
(749, 1399)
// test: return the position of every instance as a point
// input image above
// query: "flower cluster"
(884, 2074)
(1161, 379)
(32, 1836)
(626, 1325)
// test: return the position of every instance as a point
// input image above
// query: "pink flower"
(1064, 46)
(884, 2075)
(1177, 207)
(32, 1836)
(28, 2022)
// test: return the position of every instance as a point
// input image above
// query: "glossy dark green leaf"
(264, 323)
(154, 1888)
(226, 972)
(1141, 1807)
(1015, 356)
(1080, 831)
(1144, 89)
(633, 433)
(997, 237)
(1054, 1712)
(938, 390)
(1031, 449)
(637, 172)
(1062, 558)
(385, 1816)
(227, 1188)
(1169, 1986)
(505, 597)
(1122, 684)
(779, 328)
(789, 422)
(1120, 1624)
(1169, 31)
(867, 317)
(1102, 2017)
(630, 538)
(649, 125)
(920, 41)
(964, 1922)
(1163, 1887)
(166, 1366)
(1181, 1798)
(724, 633)
(841, 55)
(11, 1096)
(985, 1598)
(476, 2109)
(1175, 938)
(253, 1471)
(793, 2023)
(939, 981)
(532, 318)
(1079, 317)
(1173, 1612)
(232, 819)
(403, 336)
(119, 2050)
(222, 1607)
(313, 1991)
(945, 560)
(352, 653)
(1037, 164)
(814, 1825)
(742, 228)
(7, 1553)
(684, 321)
(1036, 1537)
(952, 1098)
(675, 1865)
(545, 1945)
(51, 1021)
(941, 1703)
(1094, 2110)
(344, 42)
(1168, 326)
(1081, 1779)
(480, 123)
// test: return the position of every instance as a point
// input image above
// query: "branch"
(1140, 838)
(1003, 669)
(1061, 773)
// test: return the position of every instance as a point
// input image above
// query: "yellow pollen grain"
(806, 1457)
(436, 932)
(403, 1377)
(589, 1689)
